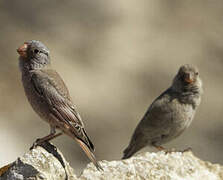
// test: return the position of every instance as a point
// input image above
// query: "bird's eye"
(196, 73)
(36, 51)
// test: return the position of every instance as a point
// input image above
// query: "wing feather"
(51, 87)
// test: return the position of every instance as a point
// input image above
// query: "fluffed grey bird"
(50, 98)
(170, 114)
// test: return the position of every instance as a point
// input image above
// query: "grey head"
(33, 55)
(188, 85)
(187, 79)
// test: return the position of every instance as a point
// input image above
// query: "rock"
(40, 163)
(156, 166)
(47, 163)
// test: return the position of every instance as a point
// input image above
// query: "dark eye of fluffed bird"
(36, 51)
(196, 73)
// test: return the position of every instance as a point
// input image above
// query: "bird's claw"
(35, 144)
(187, 150)
(168, 151)
(174, 150)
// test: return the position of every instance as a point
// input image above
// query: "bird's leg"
(49, 137)
(174, 150)
(160, 148)
(186, 150)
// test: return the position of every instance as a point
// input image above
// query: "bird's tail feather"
(132, 149)
(89, 154)
(128, 152)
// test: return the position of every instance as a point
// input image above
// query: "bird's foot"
(160, 148)
(174, 150)
(186, 150)
(47, 138)
(168, 151)
(38, 142)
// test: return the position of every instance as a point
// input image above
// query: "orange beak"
(22, 50)
(188, 79)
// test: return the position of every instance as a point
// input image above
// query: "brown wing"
(51, 87)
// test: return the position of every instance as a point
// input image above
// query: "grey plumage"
(49, 96)
(170, 114)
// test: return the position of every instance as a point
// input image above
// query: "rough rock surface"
(40, 163)
(157, 166)
(48, 164)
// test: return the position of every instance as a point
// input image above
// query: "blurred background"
(115, 57)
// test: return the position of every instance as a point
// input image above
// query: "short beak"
(22, 50)
(188, 78)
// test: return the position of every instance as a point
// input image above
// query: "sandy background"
(115, 57)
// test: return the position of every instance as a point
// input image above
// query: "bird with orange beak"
(50, 98)
(169, 114)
